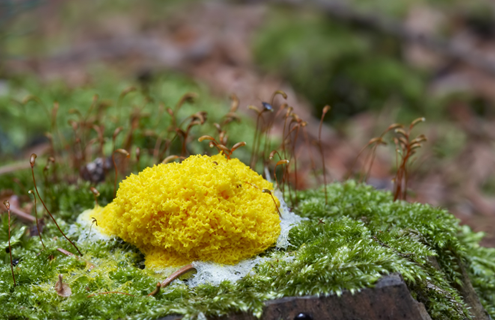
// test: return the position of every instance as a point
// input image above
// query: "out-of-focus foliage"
(31, 103)
(331, 63)
(355, 69)
(11, 8)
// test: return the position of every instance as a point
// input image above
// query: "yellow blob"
(205, 208)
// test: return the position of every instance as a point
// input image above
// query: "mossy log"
(389, 299)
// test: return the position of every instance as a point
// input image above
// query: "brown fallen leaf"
(62, 288)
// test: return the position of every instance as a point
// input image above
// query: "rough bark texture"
(390, 299)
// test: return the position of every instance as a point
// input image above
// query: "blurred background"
(374, 62)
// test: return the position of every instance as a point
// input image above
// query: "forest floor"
(212, 44)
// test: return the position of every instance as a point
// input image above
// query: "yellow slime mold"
(205, 208)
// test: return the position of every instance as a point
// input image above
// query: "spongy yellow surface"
(205, 208)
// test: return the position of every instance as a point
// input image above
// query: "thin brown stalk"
(156, 291)
(172, 158)
(78, 157)
(372, 158)
(156, 149)
(89, 265)
(286, 162)
(134, 121)
(310, 151)
(266, 128)
(7, 205)
(162, 153)
(292, 155)
(236, 146)
(127, 155)
(36, 216)
(78, 127)
(32, 162)
(255, 138)
(188, 97)
(159, 115)
(267, 108)
(138, 155)
(362, 174)
(280, 186)
(258, 132)
(122, 95)
(275, 202)
(99, 130)
(286, 173)
(87, 151)
(271, 120)
(38, 100)
(252, 185)
(174, 120)
(67, 253)
(49, 136)
(295, 162)
(220, 147)
(91, 107)
(176, 274)
(325, 110)
(96, 194)
(234, 105)
(114, 136)
(183, 135)
(46, 168)
(406, 178)
(405, 149)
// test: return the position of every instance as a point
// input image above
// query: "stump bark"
(390, 299)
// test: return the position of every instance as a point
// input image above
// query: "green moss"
(348, 244)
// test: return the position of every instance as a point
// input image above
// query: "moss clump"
(346, 245)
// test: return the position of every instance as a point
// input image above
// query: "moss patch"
(346, 245)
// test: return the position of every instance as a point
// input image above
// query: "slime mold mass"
(205, 208)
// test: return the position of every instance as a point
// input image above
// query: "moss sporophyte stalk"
(202, 209)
